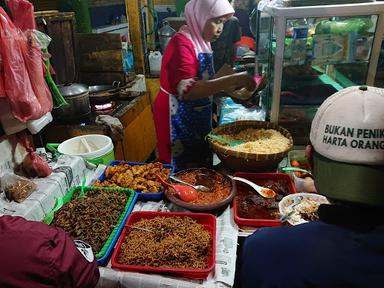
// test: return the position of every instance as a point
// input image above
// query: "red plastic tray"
(209, 222)
(253, 177)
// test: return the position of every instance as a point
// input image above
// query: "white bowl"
(287, 201)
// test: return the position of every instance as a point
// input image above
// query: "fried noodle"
(178, 242)
(259, 141)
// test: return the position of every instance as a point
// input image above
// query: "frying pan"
(100, 94)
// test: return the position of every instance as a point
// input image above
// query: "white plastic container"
(11, 125)
(35, 126)
(95, 148)
(155, 62)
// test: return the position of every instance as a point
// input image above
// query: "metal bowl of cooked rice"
(265, 145)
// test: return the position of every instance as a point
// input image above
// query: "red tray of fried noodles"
(207, 220)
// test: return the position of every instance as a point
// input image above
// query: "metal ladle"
(201, 188)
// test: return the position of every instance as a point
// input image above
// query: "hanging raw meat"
(17, 84)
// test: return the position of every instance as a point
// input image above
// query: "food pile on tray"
(141, 178)
(92, 217)
(251, 205)
(178, 242)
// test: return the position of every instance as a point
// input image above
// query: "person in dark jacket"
(345, 247)
(224, 47)
(34, 254)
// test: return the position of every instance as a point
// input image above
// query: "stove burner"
(104, 108)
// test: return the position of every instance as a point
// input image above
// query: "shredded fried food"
(92, 217)
(178, 242)
(259, 141)
(140, 178)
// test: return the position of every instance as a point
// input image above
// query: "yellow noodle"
(259, 141)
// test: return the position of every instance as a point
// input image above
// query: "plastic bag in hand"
(33, 165)
(17, 84)
(16, 188)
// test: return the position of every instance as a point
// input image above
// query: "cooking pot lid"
(72, 89)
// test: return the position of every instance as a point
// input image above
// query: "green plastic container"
(107, 248)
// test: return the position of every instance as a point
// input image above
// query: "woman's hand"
(224, 71)
(250, 99)
(240, 86)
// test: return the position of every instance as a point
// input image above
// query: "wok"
(99, 94)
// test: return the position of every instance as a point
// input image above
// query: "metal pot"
(77, 96)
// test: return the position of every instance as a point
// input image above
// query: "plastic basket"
(209, 222)
(141, 196)
(103, 255)
(253, 222)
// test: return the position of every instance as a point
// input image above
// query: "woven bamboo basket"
(248, 162)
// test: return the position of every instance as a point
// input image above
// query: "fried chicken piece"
(112, 170)
(142, 178)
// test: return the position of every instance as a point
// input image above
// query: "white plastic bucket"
(97, 149)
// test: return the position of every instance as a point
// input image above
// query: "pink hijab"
(197, 13)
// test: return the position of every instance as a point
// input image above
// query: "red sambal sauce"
(220, 185)
(251, 205)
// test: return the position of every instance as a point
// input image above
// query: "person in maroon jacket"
(34, 254)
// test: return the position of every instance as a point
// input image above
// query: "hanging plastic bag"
(33, 165)
(34, 63)
(16, 188)
(31, 45)
(17, 84)
(22, 14)
(2, 91)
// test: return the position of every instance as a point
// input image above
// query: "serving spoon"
(231, 143)
(296, 169)
(186, 193)
(201, 188)
(263, 191)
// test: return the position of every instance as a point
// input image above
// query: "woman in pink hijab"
(183, 107)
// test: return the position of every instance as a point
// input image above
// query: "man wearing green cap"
(345, 247)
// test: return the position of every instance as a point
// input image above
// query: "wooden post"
(135, 33)
(151, 25)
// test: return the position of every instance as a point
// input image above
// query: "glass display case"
(311, 52)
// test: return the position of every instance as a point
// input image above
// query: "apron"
(191, 121)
